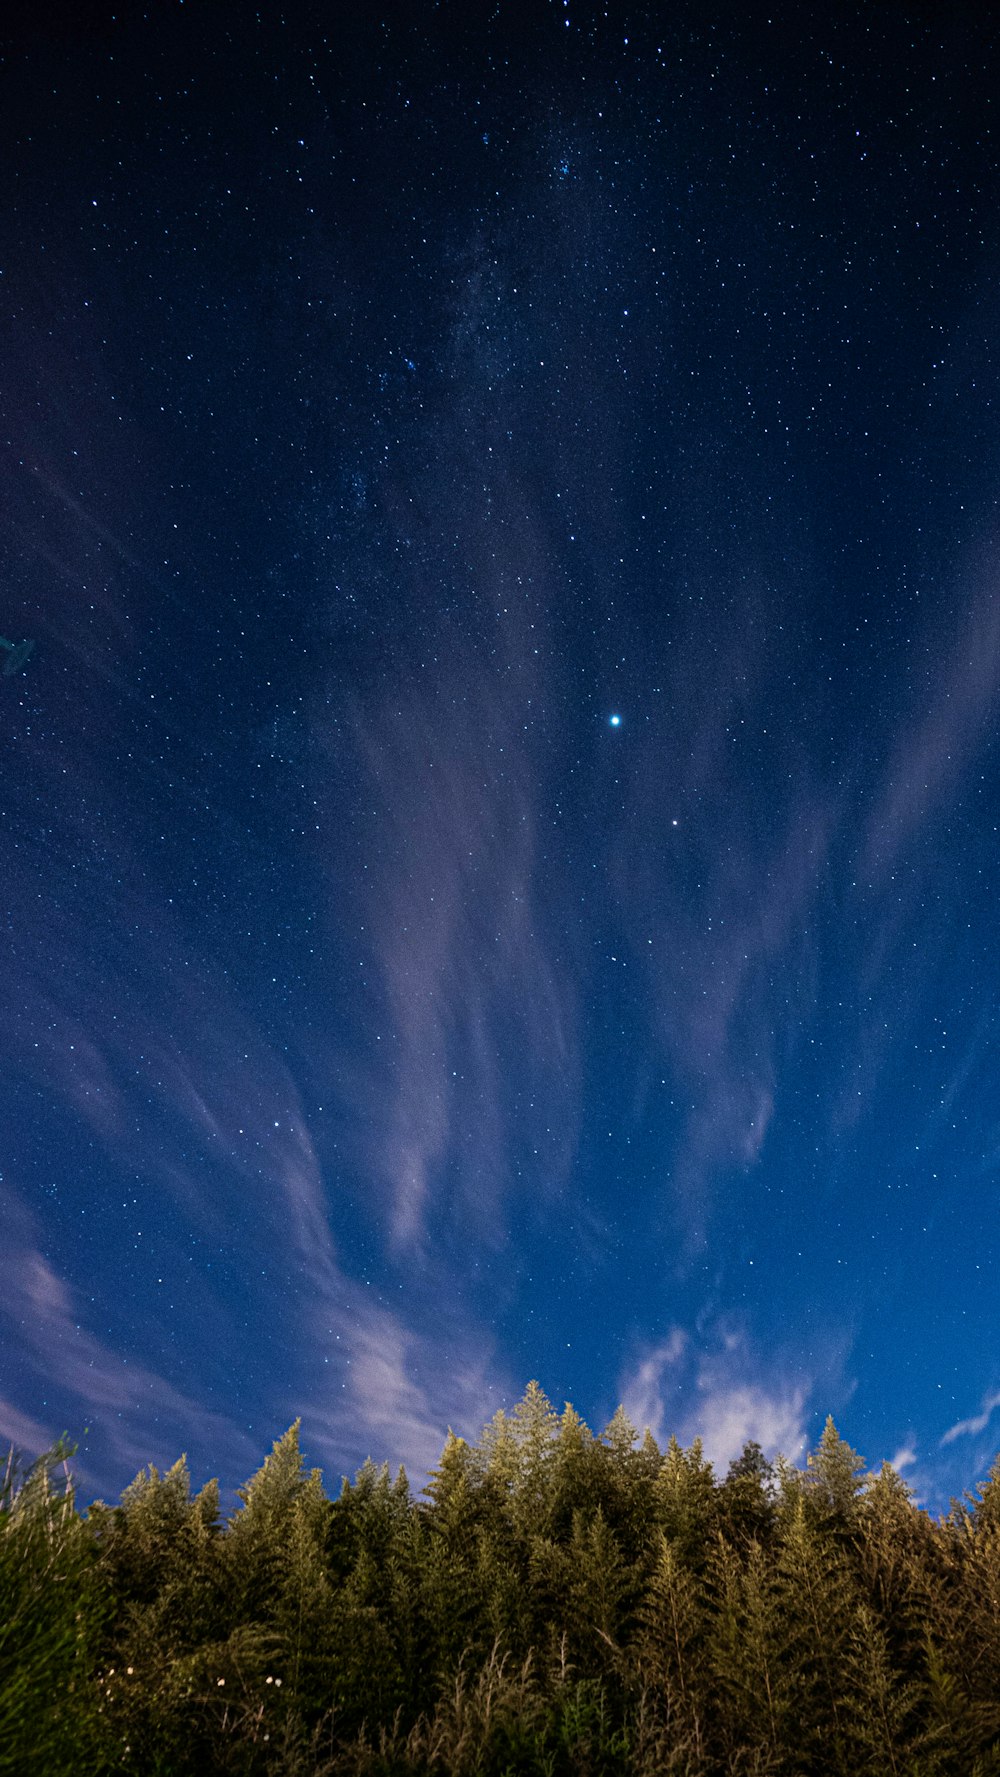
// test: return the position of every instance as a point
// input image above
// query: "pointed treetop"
(887, 1491)
(751, 1465)
(534, 1423)
(619, 1434)
(450, 1480)
(650, 1448)
(836, 1472)
(278, 1480)
(169, 1493)
(574, 1433)
(534, 1412)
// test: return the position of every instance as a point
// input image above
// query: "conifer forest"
(554, 1602)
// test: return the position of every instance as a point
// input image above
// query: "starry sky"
(501, 825)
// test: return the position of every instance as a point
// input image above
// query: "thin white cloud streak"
(474, 1023)
(453, 959)
(392, 1387)
(716, 1394)
(972, 1428)
(642, 1390)
(399, 1390)
(928, 756)
(717, 1014)
(178, 1049)
(125, 1396)
(720, 872)
(932, 753)
(468, 1079)
(390, 1383)
(386, 1388)
(179, 1087)
(728, 1418)
(26, 1434)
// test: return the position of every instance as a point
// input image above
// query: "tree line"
(554, 1602)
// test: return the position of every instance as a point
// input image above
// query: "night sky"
(500, 846)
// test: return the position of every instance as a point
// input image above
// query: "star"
(615, 721)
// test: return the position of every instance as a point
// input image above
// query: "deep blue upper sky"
(384, 408)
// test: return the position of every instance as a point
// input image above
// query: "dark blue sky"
(385, 407)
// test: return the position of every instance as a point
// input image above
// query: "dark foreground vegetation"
(558, 1603)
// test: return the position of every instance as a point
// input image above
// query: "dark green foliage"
(555, 1603)
(835, 1473)
(50, 1616)
(685, 1500)
(746, 1499)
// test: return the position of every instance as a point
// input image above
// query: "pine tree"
(684, 1500)
(986, 1508)
(960, 1733)
(366, 1679)
(619, 1437)
(534, 1425)
(581, 1590)
(746, 1498)
(815, 1603)
(576, 1480)
(256, 1542)
(672, 1628)
(451, 1611)
(304, 1617)
(371, 1512)
(968, 1622)
(628, 1494)
(901, 1568)
(161, 1556)
(449, 1486)
(836, 1472)
(158, 1538)
(754, 1693)
(495, 1461)
(883, 1707)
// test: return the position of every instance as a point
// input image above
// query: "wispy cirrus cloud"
(22, 1431)
(374, 1382)
(977, 1423)
(447, 927)
(643, 1388)
(363, 1377)
(951, 722)
(720, 868)
(471, 1039)
(397, 1388)
(732, 978)
(169, 1077)
(714, 1389)
(727, 1418)
(60, 1355)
